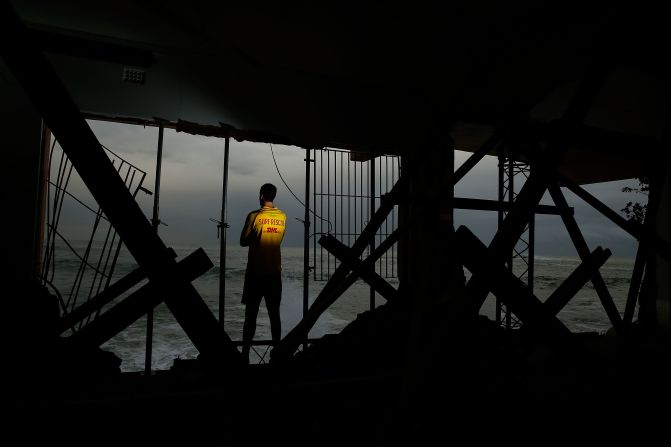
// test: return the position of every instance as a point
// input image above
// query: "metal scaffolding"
(521, 260)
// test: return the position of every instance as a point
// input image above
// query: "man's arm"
(248, 233)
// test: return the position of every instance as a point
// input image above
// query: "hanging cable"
(292, 193)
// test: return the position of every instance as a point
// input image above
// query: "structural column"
(662, 266)
(22, 154)
(431, 270)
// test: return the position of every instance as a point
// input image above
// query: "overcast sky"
(191, 191)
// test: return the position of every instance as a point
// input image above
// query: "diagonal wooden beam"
(576, 280)
(106, 296)
(509, 288)
(341, 252)
(656, 243)
(633, 228)
(644, 250)
(544, 170)
(340, 281)
(96, 303)
(387, 203)
(293, 339)
(52, 100)
(136, 305)
(583, 251)
(475, 158)
(635, 284)
(332, 290)
(589, 88)
(514, 224)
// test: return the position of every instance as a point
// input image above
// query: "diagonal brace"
(53, 102)
(576, 280)
(134, 306)
(583, 251)
(509, 288)
(341, 252)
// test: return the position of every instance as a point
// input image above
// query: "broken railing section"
(97, 262)
(52, 100)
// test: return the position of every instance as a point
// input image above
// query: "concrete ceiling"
(370, 77)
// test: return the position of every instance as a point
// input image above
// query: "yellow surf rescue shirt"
(263, 233)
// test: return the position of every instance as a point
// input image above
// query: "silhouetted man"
(263, 233)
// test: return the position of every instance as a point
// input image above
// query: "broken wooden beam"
(576, 280)
(134, 306)
(635, 229)
(332, 290)
(340, 280)
(509, 288)
(647, 306)
(583, 251)
(46, 91)
(341, 252)
(635, 284)
(293, 339)
(475, 158)
(97, 302)
(545, 167)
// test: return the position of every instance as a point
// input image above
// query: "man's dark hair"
(269, 191)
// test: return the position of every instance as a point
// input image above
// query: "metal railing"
(98, 247)
(345, 194)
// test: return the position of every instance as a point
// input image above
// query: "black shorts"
(259, 286)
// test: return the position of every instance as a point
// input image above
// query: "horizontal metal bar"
(494, 205)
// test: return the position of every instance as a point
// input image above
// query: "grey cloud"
(192, 180)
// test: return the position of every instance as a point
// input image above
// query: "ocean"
(583, 314)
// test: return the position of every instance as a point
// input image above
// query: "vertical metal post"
(222, 239)
(370, 214)
(306, 240)
(41, 204)
(386, 222)
(531, 255)
(511, 199)
(314, 202)
(501, 215)
(349, 203)
(328, 207)
(509, 168)
(154, 223)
